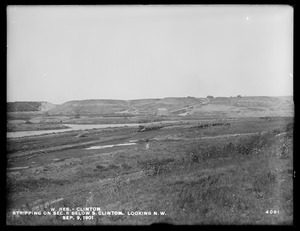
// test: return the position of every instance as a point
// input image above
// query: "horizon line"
(147, 98)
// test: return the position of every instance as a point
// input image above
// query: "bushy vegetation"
(244, 146)
(290, 129)
(157, 166)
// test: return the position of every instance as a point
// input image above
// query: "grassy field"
(236, 174)
(33, 127)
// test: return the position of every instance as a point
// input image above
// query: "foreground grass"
(225, 182)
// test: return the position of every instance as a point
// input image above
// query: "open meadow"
(209, 171)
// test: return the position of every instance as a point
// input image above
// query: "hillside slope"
(219, 106)
(26, 106)
(247, 106)
(89, 107)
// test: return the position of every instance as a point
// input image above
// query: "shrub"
(276, 131)
(126, 166)
(198, 153)
(100, 167)
(157, 166)
(244, 146)
(290, 127)
(195, 158)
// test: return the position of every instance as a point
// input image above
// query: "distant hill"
(89, 107)
(140, 106)
(27, 106)
(250, 106)
(170, 103)
(227, 106)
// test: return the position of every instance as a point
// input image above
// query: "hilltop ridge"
(179, 106)
(176, 106)
(25, 106)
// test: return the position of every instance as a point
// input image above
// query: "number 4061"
(272, 211)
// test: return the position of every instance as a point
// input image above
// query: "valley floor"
(241, 173)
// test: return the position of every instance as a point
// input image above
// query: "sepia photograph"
(149, 114)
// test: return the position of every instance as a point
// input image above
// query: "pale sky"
(63, 53)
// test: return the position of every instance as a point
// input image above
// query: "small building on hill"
(162, 112)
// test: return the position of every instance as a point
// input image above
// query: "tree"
(210, 97)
